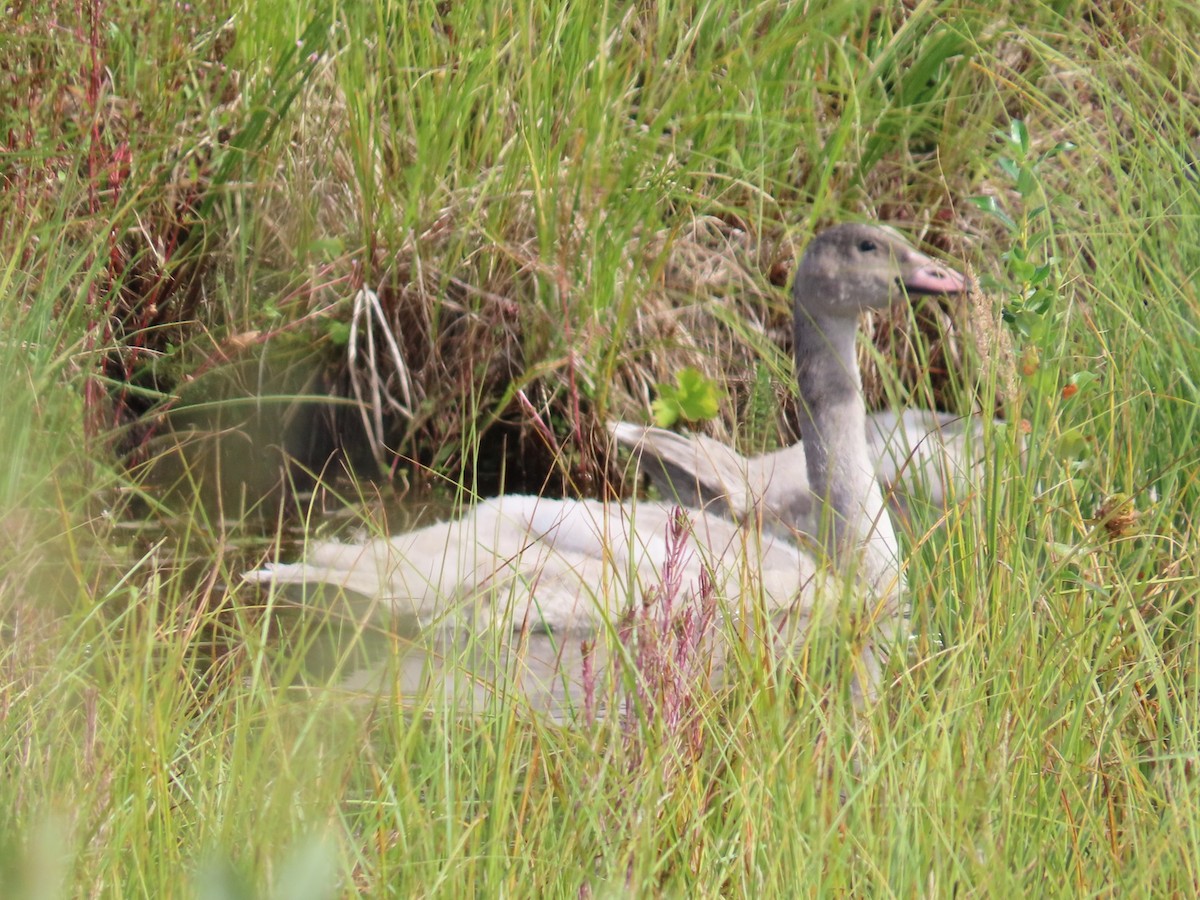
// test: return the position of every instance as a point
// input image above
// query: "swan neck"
(856, 530)
(832, 412)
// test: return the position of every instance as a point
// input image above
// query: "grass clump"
(221, 228)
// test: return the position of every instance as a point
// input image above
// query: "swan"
(918, 455)
(504, 597)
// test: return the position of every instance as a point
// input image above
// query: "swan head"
(850, 268)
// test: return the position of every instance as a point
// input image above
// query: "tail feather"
(314, 575)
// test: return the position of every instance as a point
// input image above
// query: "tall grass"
(558, 206)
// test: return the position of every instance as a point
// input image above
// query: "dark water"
(251, 462)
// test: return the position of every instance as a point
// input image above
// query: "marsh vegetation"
(282, 271)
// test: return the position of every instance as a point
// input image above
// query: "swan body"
(504, 600)
(550, 566)
(919, 456)
(518, 581)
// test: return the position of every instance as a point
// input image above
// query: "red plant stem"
(101, 319)
(572, 385)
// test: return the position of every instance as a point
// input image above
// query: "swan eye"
(866, 246)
